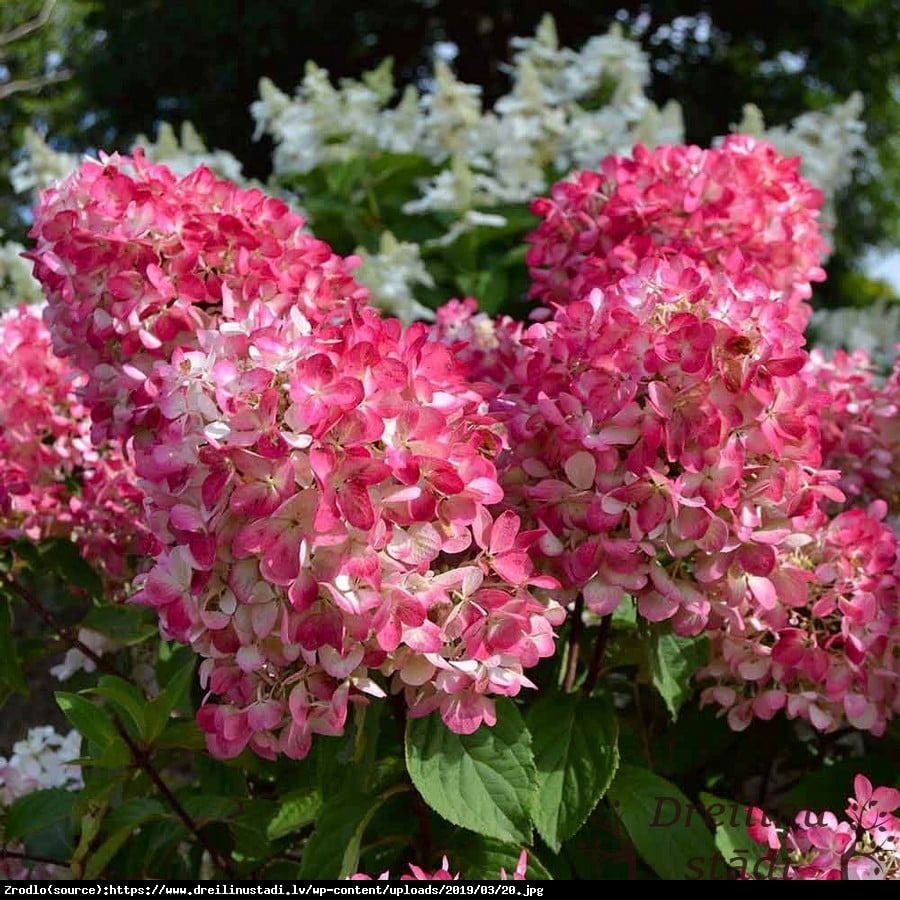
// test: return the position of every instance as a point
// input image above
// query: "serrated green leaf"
(486, 781)
(37, 812)
(126, 697)
(673, 662)
(333, 848)
(477, 857)
(91, 720)
(730, 820)
(125, 624)
(296, 810)
(574, 740)
(119, 826)
(664, 826)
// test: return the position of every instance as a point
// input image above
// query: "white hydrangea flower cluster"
(391, 274)
(40, 165)
(17, 285)
(567, 109)
(44, 759)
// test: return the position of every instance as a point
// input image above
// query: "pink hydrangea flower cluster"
(136, 260)
(739, 208)
(665, 435)
(416, 873)
(321, 480)
(53, 482)
(659, 433)
(860, 425)
(828, 648)
(863, 846)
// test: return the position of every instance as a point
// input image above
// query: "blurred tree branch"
(35, 82)
(29, 27)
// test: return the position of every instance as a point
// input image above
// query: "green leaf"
(90, 719)
(333, 848)
(120, 826)
(673, 661)
(479, 858)
(665, 827)
(125, 624)
(160, 709)
(203, 808)
(248, 829)
(493, 289)
(93, 804)
(180, 735)
(574, 740)
(12, 679)
(296, 810)
(219, 777)
(625, 614)
(601, 850)
(36, 812)
(126, 697)
(62, 556)
(730, 820)
(485, 781)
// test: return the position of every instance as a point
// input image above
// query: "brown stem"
(645, 738)
(574, 645)
(140, 757)
(423, 839)
(596, 664)
(70, 635)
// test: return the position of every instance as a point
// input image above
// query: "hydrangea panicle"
(54, 483)
(320, 479)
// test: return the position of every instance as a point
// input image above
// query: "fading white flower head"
(43, 759)
(75, 661)
(391, 276)
(17, 284)
(40, 165)
(565, 109)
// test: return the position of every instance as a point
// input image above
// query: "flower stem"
(574, 645)
(142, 759)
